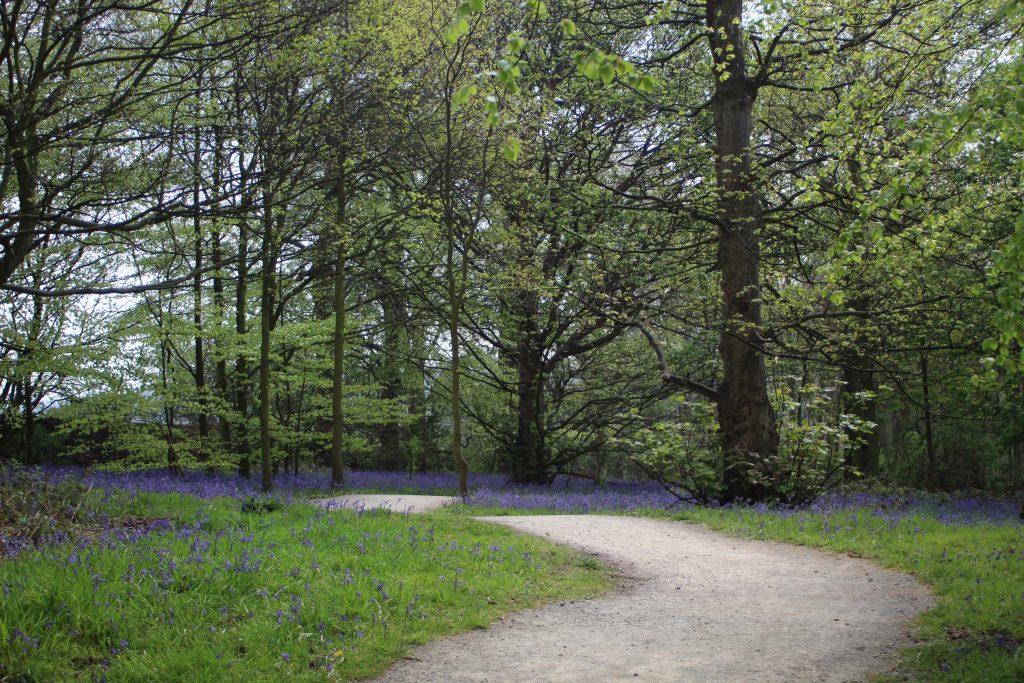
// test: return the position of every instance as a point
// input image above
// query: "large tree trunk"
(745, 415)
(529, 452)
(24, 153)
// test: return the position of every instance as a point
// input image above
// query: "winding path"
(693, 605)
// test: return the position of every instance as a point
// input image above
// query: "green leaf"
(568, 27)
(456, 29)
(476, 6)
(463, 94)
(511, 149)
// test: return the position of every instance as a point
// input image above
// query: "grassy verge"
(977, 572)
(297, 593)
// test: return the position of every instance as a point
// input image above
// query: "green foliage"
(111, 426)
(680, 450)
(261, 505)
(813, 442)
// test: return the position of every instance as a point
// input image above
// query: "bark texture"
(746, 418)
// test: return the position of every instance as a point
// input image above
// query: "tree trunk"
(857, 378)
(338, 373)
(221, 366)
(932, 473)
(745, 415)
(457, 275)
(216, 253)
(28, 399)
(396, 348)
(530, 462)
(28, 426)
(242, 446)
(461, 465)
(201, 396)
(24, 148)
(165, 362)
(268, 269)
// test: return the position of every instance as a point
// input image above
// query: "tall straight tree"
(745, 413)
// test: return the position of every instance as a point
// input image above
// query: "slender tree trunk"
(932, 474)
(197, 299)
(338, 374)
(267, 274)
(424, 452)
(746, 417)
(165, 361)
(221, 366)
(242, 446)
(456, 275)
(28, 426)
(461, 465)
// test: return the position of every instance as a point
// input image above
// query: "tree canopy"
(750, 249)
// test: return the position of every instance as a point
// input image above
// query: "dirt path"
(693, 606)
(393, 502)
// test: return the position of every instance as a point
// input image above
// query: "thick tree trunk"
(529, 452)
(746, 417)
(28, 397)
(24, 158)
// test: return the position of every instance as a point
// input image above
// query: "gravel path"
(692, 606)
(393, 502)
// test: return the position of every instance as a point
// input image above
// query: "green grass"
(977, 574)
(294, 593)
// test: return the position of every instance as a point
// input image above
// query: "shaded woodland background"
(372, 234)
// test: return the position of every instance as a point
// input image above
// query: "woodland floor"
(691, 605)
